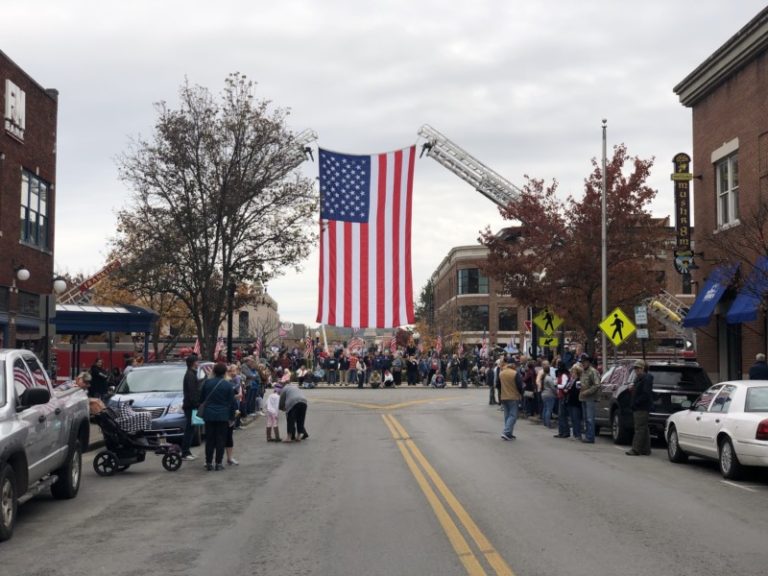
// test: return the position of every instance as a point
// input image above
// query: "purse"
(204, 403)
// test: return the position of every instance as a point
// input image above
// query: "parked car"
(159, 390)
(43, 432)
(728, 423)
(675, 386)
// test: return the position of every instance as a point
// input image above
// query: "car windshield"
(680, 379)
(757, 399)
(153, 379)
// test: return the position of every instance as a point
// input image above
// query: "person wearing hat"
(590, 388)
(642, 402)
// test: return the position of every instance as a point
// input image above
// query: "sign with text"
(682, 183)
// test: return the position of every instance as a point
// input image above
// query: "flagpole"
(604, 245)
(325, 337)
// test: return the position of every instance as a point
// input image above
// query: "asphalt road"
(402, 482)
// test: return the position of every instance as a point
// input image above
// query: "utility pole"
(604, 245)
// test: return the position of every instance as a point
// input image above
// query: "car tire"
(69, 475)
(9, 501)
(730, 467)
(620, 433)
(674, 452)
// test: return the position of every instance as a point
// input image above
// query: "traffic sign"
(642, 333)
(547, 321)
(617, 326)
(641, 315)
(548, 341)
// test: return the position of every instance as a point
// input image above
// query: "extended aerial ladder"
(486, 181)
(670, 311)
(299, 151)
(79, 294)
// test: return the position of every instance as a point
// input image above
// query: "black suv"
(676, 385)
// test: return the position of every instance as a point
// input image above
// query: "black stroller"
(123, 447)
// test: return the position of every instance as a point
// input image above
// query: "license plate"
(678, 399)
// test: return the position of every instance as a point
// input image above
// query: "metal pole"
(604, 244)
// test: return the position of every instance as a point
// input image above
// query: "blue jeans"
(250, 399)
(575, 412)
(589, 416)
(546, 413)
(510, 416)
(562, 418)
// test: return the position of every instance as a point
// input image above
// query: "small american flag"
(196, 347)
(365, 239)
(309, 346)
(439, 344)
(21, 376)
(357, 344)
(393, 343)
(461, 348)
(257, 347)
(219, 347)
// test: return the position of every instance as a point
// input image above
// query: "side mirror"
(34, 397)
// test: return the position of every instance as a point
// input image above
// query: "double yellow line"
(413, 458)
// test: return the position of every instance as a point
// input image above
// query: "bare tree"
(214, 200)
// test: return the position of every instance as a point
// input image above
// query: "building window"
(29, 303)
(507, 319)
(472, 281)
(34, 211)
(727, 182)
(243, 324)
(473, 318)
(687, 288)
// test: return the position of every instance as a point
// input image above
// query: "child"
(273, 412)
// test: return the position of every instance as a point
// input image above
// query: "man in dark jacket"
(99, 380)
(759, 370)
(642, 403)
(191, 401)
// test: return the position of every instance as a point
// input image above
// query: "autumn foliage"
(551, 253)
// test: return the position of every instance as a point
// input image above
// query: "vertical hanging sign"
(682, 180)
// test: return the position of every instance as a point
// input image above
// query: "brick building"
(27, 203)
(728, 96)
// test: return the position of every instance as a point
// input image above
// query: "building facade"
(728, 97)
(27, 205)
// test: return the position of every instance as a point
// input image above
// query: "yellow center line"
(370, 406)
(491, 554)
(458, 542)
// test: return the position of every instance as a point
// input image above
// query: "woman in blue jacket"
(219, 397)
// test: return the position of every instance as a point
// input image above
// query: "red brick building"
(27, 203)
(728, 96)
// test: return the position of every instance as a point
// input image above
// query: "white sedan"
(728, 423)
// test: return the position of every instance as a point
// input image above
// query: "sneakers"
(233, 462)
(304, 436)
(209, 467)
(505, 437)
(189, 457)
(218, 468)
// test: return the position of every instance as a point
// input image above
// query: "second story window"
(727, 182)
(472, 281)
(34, 211)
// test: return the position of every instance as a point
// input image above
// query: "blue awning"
(744, 308)
(75, 319)
(710, 295)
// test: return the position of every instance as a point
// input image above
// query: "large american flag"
(365, 239)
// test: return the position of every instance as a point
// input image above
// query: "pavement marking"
(735, 485)
(396, 406)
(408, 446)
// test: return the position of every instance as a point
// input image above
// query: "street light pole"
(604, 245)
(230, 304)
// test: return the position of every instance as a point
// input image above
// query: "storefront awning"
(74, 319)
(707, 299)
(747, 303)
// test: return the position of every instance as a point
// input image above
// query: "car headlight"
(175, 409)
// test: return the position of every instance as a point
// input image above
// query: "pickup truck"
(43, 432)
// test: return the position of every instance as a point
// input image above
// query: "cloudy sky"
(520, 84)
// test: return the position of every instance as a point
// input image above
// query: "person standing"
(642, 403)
(273, 413)
(190, 402)
(590, 388)
(759, 370)
(99, 380)
(294, 403)
(548, 394)
(572, 389)
(490, 379)
(218, 395)
(510, 398)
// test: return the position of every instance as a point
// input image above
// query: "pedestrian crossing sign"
(617, 326)
(547, 321)
(548, 341)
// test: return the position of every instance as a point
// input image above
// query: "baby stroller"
(125, 447)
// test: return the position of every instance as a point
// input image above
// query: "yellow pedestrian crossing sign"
(547, 321)
(617, 326)
(548, 341)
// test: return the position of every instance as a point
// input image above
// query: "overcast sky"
(521, 85)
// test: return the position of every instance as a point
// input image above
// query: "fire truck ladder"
(490, 184)
(79, 294)
(670, 312)
(300, 151)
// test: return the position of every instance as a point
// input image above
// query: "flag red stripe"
(332, 260)
(348, 288)
(320, 309)
(408, 217)
(396, 185)
(380, 245)
(364, 312)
